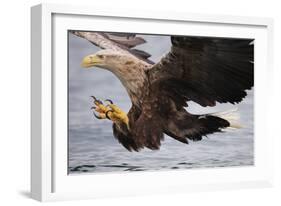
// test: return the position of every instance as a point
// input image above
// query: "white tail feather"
(232, 116)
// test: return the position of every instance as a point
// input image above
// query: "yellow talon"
(110, 111)
(115, 108)
(100, 108)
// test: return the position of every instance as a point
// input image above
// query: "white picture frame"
(49, 179)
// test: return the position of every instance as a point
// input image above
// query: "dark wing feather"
(206, 70)
(125, 39)
(182, 126)
(125, 138)
(148, 129)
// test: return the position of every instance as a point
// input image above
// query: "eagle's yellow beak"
(91, 60)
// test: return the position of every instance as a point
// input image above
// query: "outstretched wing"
(121, 42)
(206, 70)
(199, 69)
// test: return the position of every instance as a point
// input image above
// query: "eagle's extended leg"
(116, 114)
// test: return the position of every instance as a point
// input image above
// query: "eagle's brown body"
(199, 69)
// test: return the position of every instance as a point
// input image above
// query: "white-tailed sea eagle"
(204, 70)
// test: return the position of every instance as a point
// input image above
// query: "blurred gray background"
(92, 147)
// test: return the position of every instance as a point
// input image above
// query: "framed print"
(127, 103)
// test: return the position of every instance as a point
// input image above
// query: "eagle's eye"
(100, 56)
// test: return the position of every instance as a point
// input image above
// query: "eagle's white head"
(111, 60)
(128, 68)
